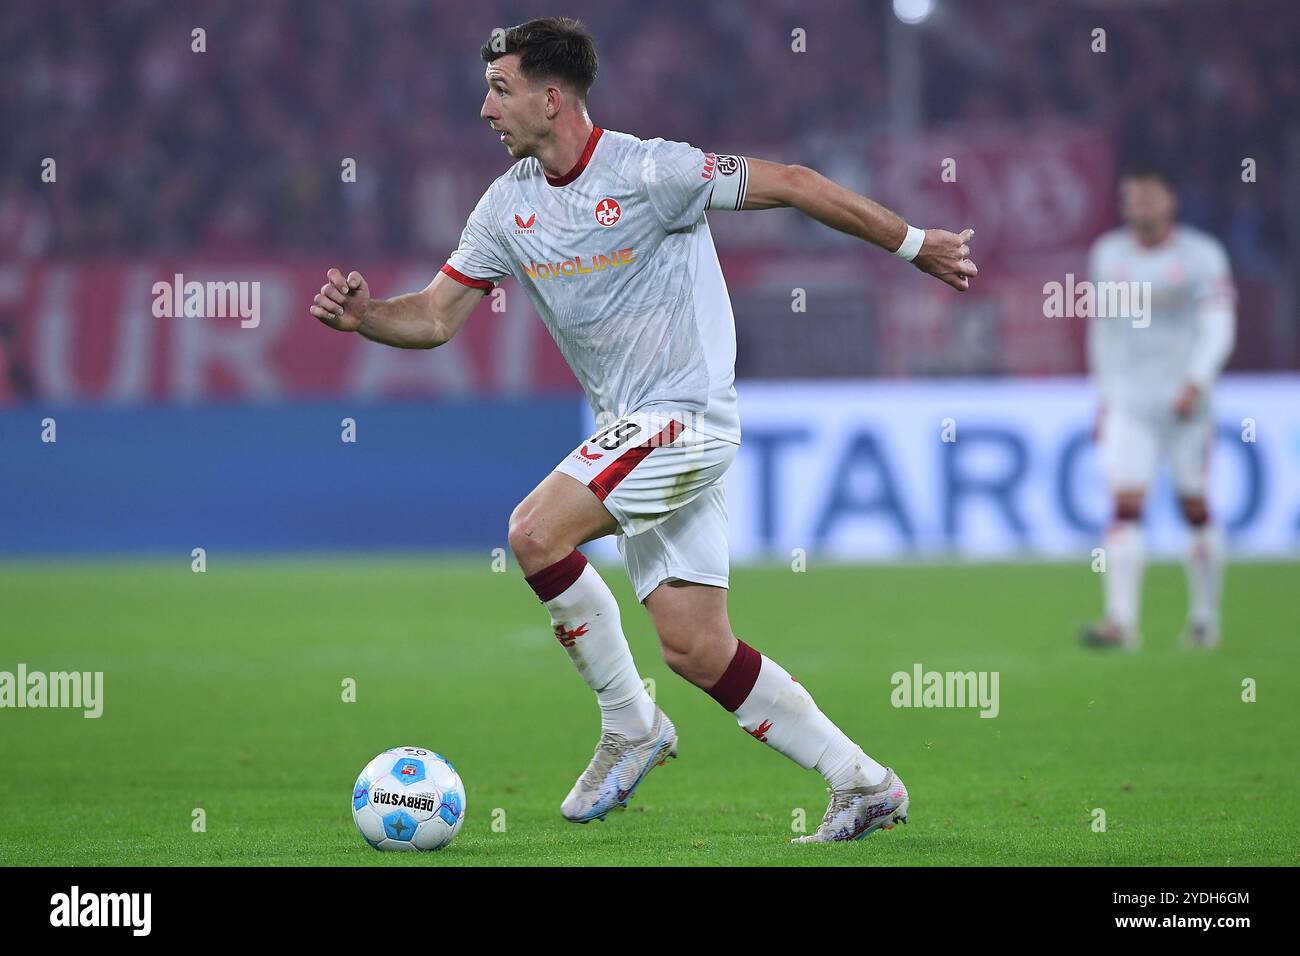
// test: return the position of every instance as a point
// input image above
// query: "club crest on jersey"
(525, 225)
(608, 211)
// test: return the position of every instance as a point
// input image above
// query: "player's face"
(1147, 205)
(514, 107)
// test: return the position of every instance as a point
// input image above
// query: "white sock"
(1205, 575)
(779, 712)
(1125, 563)
(586, 621)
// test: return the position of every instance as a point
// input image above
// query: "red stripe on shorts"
(618, 469)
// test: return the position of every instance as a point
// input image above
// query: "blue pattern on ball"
(408, 770)
(451, 808)
(400, 825)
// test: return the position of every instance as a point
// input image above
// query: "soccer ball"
(409, 798)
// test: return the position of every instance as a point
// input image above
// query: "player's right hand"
(1189, 399)
(342, 303)
(946, 256)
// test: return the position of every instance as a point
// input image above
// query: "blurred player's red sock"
(1122, 579)
(773, 707)
(585, 617)
(1205, 574)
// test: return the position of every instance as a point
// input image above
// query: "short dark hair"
(1148, 169)
(557, 48)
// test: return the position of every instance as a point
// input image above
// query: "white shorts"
(1133, 445)
(662, 482)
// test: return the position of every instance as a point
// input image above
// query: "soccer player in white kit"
(606, 234)
(1155, 373)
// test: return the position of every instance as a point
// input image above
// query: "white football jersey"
(617, 258)
(1191, 312)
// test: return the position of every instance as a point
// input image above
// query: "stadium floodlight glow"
(913, 11)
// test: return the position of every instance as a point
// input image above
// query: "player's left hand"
(1188, 400)
(946, 256)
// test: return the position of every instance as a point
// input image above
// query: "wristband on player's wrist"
(911, 244)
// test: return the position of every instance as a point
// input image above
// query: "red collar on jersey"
(581, 164)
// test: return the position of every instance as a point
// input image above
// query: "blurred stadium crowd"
(236, 151)
(168, 150)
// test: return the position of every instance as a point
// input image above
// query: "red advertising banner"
(1030, 192)
(109, 331)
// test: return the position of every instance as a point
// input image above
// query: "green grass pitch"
(224, 692)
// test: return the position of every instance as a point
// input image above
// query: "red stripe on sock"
(553, 580)
(738, 679)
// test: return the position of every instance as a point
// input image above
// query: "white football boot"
(617, 769)
(856, 813)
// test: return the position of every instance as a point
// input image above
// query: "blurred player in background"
(607, 236)
(1156, 379)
